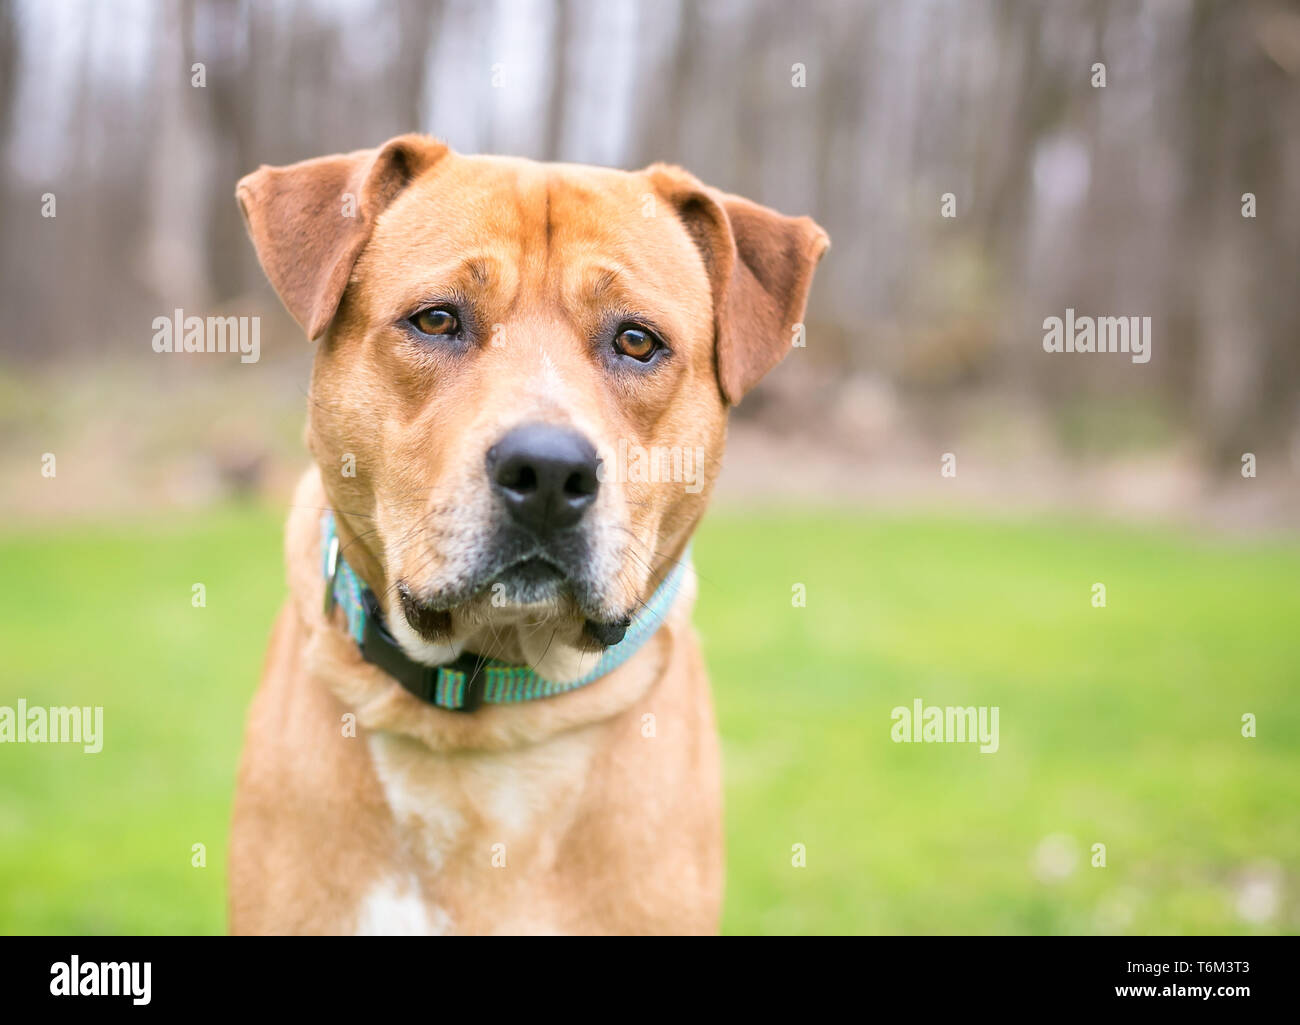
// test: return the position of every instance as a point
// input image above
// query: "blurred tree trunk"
(1009, 149)
(9, 57)
(417, 22)
(664, 113)
(223, 115)
(18, 314)
(557, 98)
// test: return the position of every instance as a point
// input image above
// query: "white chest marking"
(395, 909)
(411, 787)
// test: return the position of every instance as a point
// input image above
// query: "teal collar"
(471, 680)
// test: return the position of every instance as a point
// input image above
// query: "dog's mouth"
(538, 580)
(531, 581)
(531, 584)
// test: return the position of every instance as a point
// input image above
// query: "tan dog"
(497, 335)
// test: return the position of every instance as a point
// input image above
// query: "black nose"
(546, 475)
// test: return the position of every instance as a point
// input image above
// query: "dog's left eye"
(636, 342)
(437, 320)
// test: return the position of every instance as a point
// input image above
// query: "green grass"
(1119, 725)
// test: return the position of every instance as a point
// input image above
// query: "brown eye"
(436, 321)
(635, 342)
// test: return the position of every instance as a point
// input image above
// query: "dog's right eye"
(437, 321)
(636, 342)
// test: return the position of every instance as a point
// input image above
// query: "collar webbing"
(470, 680)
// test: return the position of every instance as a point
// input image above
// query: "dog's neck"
(457, 680)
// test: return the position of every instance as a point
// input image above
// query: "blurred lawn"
(1118, 725)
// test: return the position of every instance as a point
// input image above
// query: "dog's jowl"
(486, 605)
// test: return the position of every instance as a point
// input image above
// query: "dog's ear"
(760, 265)
(309, 221)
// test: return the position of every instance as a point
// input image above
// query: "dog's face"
(519, 402)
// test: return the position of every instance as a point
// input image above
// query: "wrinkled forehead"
(521, 230)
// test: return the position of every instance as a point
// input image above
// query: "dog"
(483, 708)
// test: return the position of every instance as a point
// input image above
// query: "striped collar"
(471, 680)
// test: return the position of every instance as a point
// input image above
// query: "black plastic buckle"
(380, 649)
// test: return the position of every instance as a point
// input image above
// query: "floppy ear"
(760, 265)
(309, 221)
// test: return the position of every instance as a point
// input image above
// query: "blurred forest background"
(925, 332)
(1122, 724)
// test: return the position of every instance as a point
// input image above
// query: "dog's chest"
(481, 831)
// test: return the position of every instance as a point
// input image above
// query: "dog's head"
(519, 400)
